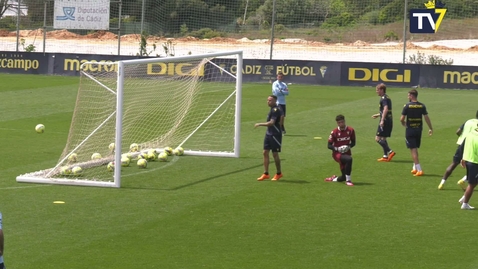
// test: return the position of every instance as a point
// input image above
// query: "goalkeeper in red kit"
(341, 139)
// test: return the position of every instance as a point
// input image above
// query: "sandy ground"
(463, 52)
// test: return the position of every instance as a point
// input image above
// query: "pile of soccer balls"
(135, 154)
(142, 157)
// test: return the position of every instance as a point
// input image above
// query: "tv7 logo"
(427, 21)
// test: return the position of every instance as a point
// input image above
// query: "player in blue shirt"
(272, 139)
(280, 89)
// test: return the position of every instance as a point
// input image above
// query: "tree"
(7, 5)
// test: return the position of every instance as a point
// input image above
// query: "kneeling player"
(341, 139)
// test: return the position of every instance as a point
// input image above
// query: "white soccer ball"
(343, 149)
(96, 156)
(142, 163)
(40, 128)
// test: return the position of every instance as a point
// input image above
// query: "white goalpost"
(128, 109)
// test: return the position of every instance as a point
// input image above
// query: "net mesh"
(338, 30)
(187, 104)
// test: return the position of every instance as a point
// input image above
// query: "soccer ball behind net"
(111, 166)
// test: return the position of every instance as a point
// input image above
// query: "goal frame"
(116, 183)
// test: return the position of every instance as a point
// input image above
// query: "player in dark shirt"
(385, 125)
(341, 139)
(273, 138)
(412, 118)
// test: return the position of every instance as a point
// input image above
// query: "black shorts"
(413, 138)
(273, 142)
(282, 107)
(458, 155)
(386, 130)
(472, 172)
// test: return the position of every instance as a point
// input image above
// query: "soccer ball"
(142, 163)
(76, 170)
(111, 166)
(168, 150)
(343, 149)
(96, 156)
(134, 147)
(112, 147)
(127, 155)
(73, 158)
(40, 128)
(65, 171)
(163, 157)
(143, 155)
(179, 151)
(152, 155)
(125, 161)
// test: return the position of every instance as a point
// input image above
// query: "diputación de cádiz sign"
(82, 14)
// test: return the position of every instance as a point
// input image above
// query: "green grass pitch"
(204, 212)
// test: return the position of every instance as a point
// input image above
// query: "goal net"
(135, 109)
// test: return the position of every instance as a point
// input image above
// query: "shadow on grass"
(295, 135)
(214, 177)
(293, 181)
(362, 183)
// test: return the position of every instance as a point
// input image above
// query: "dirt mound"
(473, 48)
(4, 33)
(27, 33)
(103, 35)
(62, 34)
(131, 37)
(410, 45)
(183, 39)
(223, 40)
(360, 43)
(438, 47)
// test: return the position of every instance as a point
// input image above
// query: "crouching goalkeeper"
(341, 139)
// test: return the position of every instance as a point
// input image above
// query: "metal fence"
(368, 31)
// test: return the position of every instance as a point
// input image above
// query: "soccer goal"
(127, 108)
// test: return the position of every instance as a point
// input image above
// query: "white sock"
(464, 179)
(335, 179)
(442, 181)
(418, 167)
(413, 167)
(348, 177)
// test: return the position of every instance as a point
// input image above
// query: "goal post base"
(66, 181)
